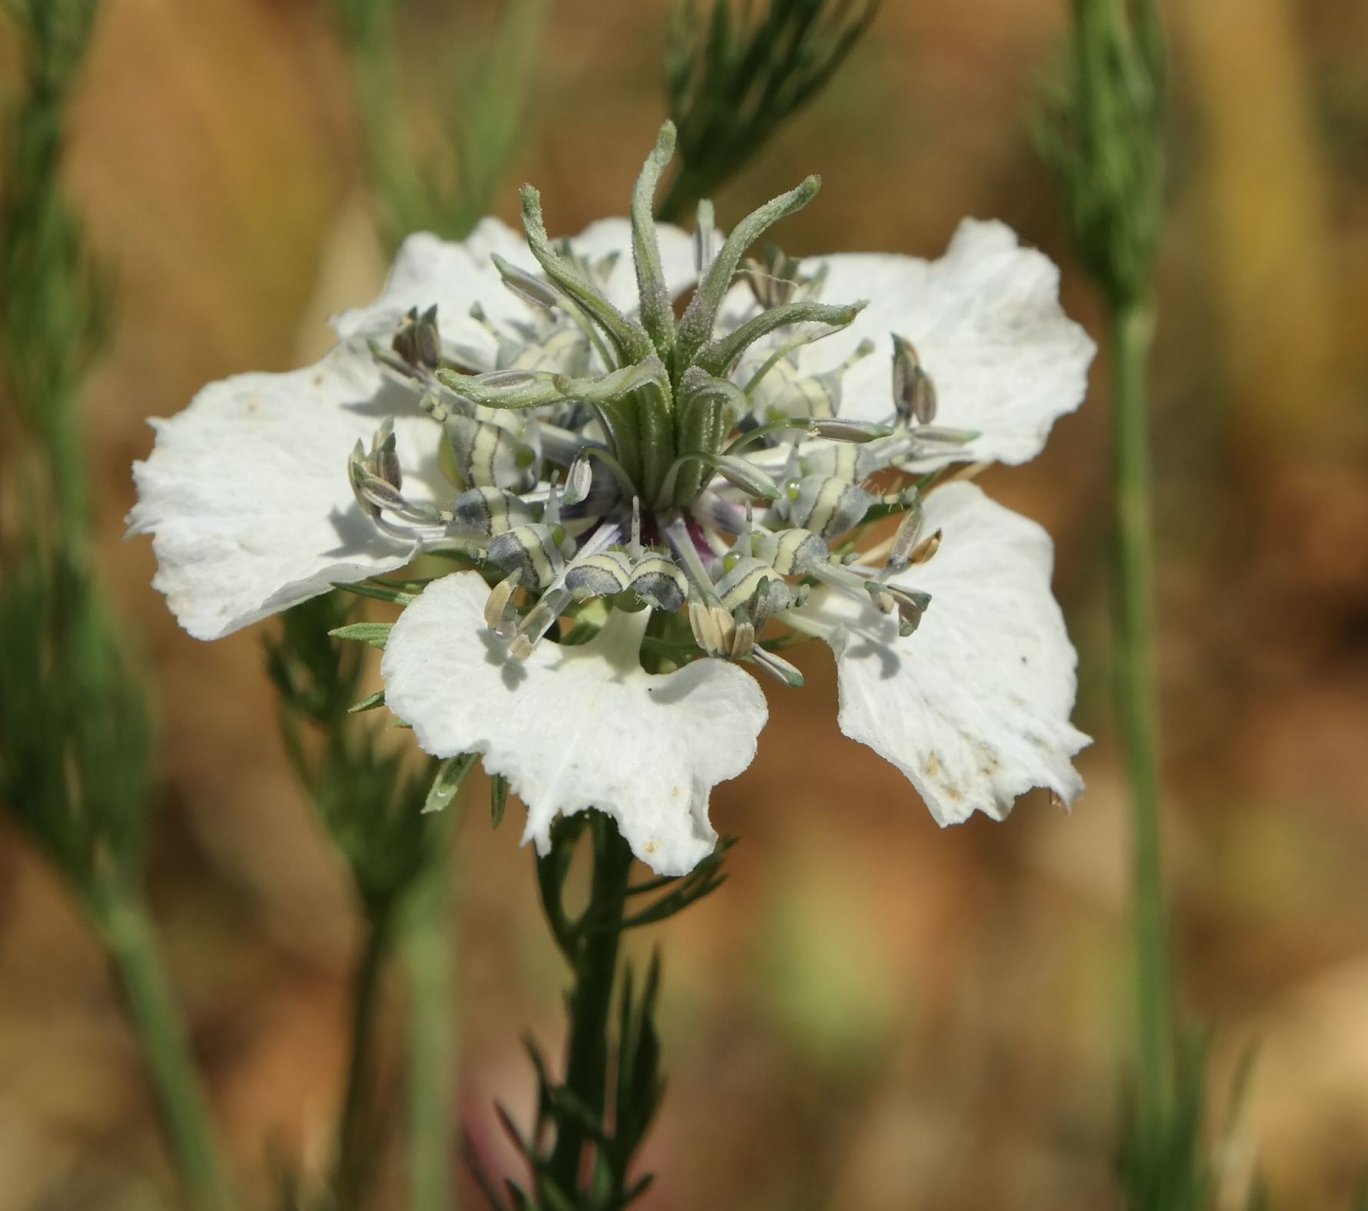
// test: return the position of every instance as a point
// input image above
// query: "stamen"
(910, 604)
(533, 550)
(826, 504)
(792, 552)
(907, 536)
(578, 480)
(558, 594)
(914, 394)
(857, 431)
(376, 478)
(535, 291)
(537, 621)
(565, 350)
(498, 611)
(744, 578)
(659, 583)
(714, 630)
(780, 391)
(776, 279)
(926, 549)
(486, 512)
(777, 667)
(417, 341)
(744, 475)
(743, 639)
(489, 455)
(932, 435)
(601, 575)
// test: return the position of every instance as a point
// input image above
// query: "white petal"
(246, 493)
(454, 276)
(576, 727)
(986, 321)
(974, 707)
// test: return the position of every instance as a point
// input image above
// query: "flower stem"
(428, 956)
(595, 973)
(1132, 325)
(127, 932)
(351, 1171)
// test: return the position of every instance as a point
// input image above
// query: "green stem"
(366, 27)
(128, 936)
(355, 1145)
(1131, 332)
(586, 1068)
(429, 958)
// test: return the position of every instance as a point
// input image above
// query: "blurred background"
(872, 1013)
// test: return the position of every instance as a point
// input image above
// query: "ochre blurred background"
(872, 1014)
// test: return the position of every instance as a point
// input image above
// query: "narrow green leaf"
(374, 633)
(368, 703)
(447, 784)
(498, 798)
(378, 592)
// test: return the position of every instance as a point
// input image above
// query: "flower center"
(684, 463)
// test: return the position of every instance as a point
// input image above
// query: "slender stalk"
(428, 953)
(352, 1172)
(1131, 333)
(586, 1066)
(123, 924)
(366, 26)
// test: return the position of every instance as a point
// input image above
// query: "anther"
(925, 549)
(531, 289)
(776, 666)
(906, 538)
(498, 611)
(713, 628)
(858, 431)
(914, 394)
(745, 475)
(578, 480)
(417, 341)
(776, 278)
(910, 604)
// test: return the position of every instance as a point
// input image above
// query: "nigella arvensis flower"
(643, 498)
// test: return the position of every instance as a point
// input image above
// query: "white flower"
(540, 414)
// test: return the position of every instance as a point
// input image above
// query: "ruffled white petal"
(576, 727)
(455, 276)
(986, 321)
(246, 493)
(974, 707)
